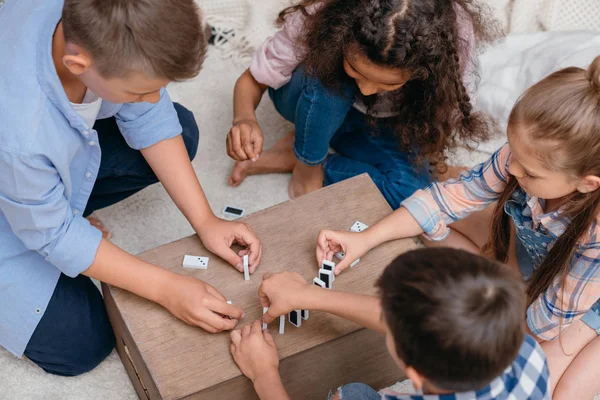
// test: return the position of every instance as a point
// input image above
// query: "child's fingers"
(237, 143)
(229, 142)
(224, 308)
(236, 337)
(268, 337)
(246, 140)
(256, 328)
(269, 316)
(257, 144)
(256, 262)
(246, 331)
(344, 264)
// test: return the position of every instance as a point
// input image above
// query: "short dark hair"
(456, 318)
(161, 38)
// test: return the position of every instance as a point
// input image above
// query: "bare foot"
(95, 222)
(305, 179)
(279, 158)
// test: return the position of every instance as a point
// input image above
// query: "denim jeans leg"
(356, 391)
(74, 334)
(316, 111)
(361, 150)
(123, 170)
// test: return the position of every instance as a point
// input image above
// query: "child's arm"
(255, 353)
(188, 298)
(288, 291)
(171, 164)
(245, 139)
(427, 211)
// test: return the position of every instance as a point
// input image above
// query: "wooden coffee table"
(167, 359)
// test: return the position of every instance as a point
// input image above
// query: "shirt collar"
(555, 222)
(46, 71)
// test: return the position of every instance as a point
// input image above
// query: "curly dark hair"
(433, 108)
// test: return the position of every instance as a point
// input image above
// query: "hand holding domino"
(282, 293)
(349, 246)
(219, 235)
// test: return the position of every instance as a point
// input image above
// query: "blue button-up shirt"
(49, 160)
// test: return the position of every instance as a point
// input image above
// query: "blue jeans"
(325, 118)
(356, 391)
(75, 335)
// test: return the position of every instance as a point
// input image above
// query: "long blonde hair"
(563, 108)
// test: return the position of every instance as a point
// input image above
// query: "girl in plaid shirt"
(534, 205)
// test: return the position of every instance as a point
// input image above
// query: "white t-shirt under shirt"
(89, 107)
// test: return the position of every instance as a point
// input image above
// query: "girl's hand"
(219, 235)
(198, 303)
(255, 352)
(245, 140)
(352, 244)
(282, 293)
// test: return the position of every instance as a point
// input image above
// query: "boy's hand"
(282, 293)
(352, 244)
(245, 140)
(255, 352)
(197, 303)
(219, 235)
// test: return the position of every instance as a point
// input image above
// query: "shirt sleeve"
(279, 55)
(145, 124)
(445, 202)
(32, 198)
(564, 303)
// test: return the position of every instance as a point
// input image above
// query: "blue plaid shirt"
(526, 378)
(49, 160)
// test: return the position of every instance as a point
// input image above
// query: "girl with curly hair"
(385, 83)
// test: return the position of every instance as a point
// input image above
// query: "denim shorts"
(591, 318)
(356, 391)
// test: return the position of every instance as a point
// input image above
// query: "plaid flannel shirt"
(527, 378)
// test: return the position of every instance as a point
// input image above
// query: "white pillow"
(522, 60)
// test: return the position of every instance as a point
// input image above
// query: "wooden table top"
(184, 360)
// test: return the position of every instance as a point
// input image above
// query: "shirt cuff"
(418, 205)
(77, 248)
(145, 124)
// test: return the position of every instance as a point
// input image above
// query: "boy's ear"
(588, 184)
(76, 59)
(417, 379)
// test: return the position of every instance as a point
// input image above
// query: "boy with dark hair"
(65, 66)
(454, 323)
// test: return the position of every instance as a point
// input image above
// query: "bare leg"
(305, 179)
(279, 158)
(472, 234)
(95, 222)
(571, 360)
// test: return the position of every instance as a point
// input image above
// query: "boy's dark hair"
(456, 318)
(433, 108)
(161, 38)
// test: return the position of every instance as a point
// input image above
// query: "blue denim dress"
(532, 248)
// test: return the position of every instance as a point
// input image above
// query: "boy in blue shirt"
(454, 323)
(64, 66)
